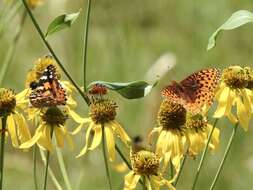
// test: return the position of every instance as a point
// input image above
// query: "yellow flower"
(102, 115)
(16, 124)
(146, 165)
(197, 130)
(235, 91)
(171, 137)
(52, 121)
(34, 3)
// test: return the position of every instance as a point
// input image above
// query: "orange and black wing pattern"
(48, 91)
(195, 91)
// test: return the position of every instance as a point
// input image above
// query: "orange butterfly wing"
(195, 91)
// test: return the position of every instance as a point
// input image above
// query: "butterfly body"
(195, 91)
(48, 91)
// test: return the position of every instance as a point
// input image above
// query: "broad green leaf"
(61, 22)
(131, 90)
(237, 19)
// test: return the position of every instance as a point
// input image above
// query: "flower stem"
(50, 171)
(4, 118)
(225, 156)
(105, 158)
(36, 25)
(85, 43)
(63, 169)
(203, 156)
(47, 161)
(35, 167)
(180, 170)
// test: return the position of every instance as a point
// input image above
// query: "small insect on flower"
(98, 89)
(195, 91)
(48, 91)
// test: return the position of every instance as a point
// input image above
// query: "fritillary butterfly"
(195, 91)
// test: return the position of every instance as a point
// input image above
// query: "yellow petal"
(215, 139)
(110, 142)
(84, 149)
(97, 137)
(222, 103)
(131, 180)
(23, 130)
(59, 135)
(12, 129)
(161, 143)
(158, 181)
(77, 130)
(242, 114)
(120, 132)
(155, 130)
(78, 118)
(34, 139)
(45, 139)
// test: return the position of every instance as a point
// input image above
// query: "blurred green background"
(126, 38)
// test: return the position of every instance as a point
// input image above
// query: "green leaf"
(237, 19)
(131, 90)
(61, 22)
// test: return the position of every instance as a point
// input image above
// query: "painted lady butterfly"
(195, 91)
(48, 91)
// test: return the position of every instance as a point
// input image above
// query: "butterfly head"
(33, 85)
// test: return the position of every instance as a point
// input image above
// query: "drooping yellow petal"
(242, 114)
(97, 137)
(34, 139)
(158, 181)
(110, 142)
(45, 139)
(222, 102)
(215, 139)
(12, 129)
(84, 149)
(155, 130)
(22, 128)
(78, 129)
(131, 180)
(71, 102)
(161, 143)
(248, 96)
(78, 118)
(59, 135)
(120, 132)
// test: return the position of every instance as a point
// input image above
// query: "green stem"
(63, 169)
(35, 167)
(85, 44)
(180, 170)
(36, 25)
(51, 173)
(224, 156)
(47, 161)
(203, 156)
(105, 158)
(4, 118)
(12, 49)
